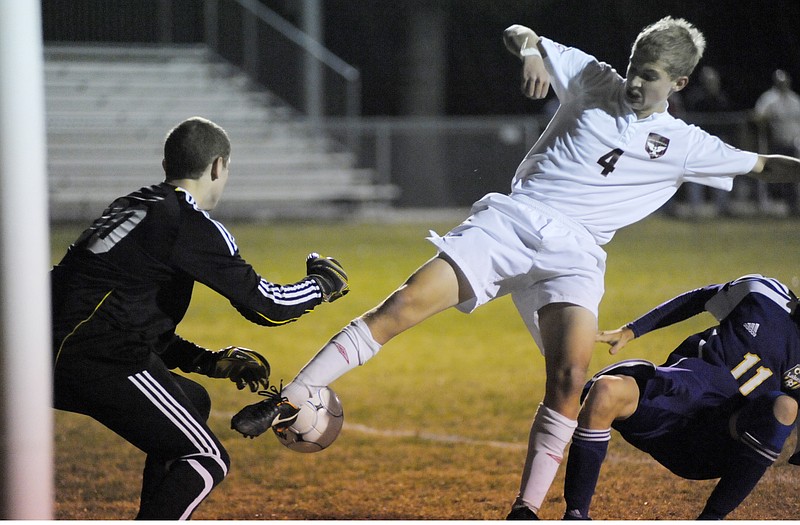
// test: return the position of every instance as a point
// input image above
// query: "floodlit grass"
(475, 377)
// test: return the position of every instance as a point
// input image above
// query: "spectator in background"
(777, 113)
(707, 96)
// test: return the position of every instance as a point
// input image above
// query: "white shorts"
(513, 244)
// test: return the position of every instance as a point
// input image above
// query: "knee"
(603, 392)
(217, 465)
(226, 461)
(202, 402)
(566, 380)
(609, 398)
(784, 408)
(401, 302)
(568, 335)
(768, 419)
(404, 308)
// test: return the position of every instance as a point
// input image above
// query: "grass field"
(436, 426)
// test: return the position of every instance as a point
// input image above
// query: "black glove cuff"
(324, 283)
(202, 364)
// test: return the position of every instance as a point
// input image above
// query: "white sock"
(550, 435)
(351, 347)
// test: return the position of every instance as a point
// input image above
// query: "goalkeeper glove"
(242, 366)
(329, 275)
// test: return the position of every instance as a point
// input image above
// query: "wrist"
(325, 286)
(530, 52)
(202, 364)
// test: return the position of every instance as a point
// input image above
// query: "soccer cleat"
(522, 513)
(273, 412)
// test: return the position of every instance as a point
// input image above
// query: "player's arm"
(776, 168)
(273, 304)
(208, 254)
(523, 43)
(242, 366)
(673, 311)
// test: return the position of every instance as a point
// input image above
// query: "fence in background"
(272, 51)
(436, 162)
(453, 161)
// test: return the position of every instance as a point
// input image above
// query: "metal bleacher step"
(110, 107)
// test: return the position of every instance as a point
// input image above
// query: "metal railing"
(273, 52)
(453, 161)
(436, 162)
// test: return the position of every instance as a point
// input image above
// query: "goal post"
(26, 428)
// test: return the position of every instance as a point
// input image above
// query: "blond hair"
(674, 42)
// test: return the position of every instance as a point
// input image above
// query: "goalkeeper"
(121, 290)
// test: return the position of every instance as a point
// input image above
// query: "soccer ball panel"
(318, 423)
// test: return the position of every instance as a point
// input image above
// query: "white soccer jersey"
(600, 165)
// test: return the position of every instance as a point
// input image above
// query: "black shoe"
(273, 412)
(522, 513)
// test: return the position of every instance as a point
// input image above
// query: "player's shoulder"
(767, 287)
(757, 281)
(197, 222)
(672, 122)
(749, 293)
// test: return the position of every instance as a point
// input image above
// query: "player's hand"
(535, 78)
(329, 275)
(615, 338)
(242, 366)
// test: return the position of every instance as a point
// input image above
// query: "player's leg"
(567, 334)
(760, 429)
(174, 416)
(157, 467)
(434, 287)
(486, 256)
(609, 398)
(152, 411)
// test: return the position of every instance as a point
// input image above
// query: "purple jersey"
(685, 404)
(756, 339)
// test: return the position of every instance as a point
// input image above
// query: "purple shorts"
(683, 413)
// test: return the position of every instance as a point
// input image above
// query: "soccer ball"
(318, 423)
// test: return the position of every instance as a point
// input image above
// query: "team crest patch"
(791, 378)
(656, 145)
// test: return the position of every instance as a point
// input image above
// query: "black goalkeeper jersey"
(125, 284)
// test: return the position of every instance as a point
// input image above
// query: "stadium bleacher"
(109, 108)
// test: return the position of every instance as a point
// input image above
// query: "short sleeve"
(714, 163)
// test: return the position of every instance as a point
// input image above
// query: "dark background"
(445, 57)
(747, 41)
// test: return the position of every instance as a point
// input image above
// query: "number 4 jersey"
(601, 165)
(757, 339)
